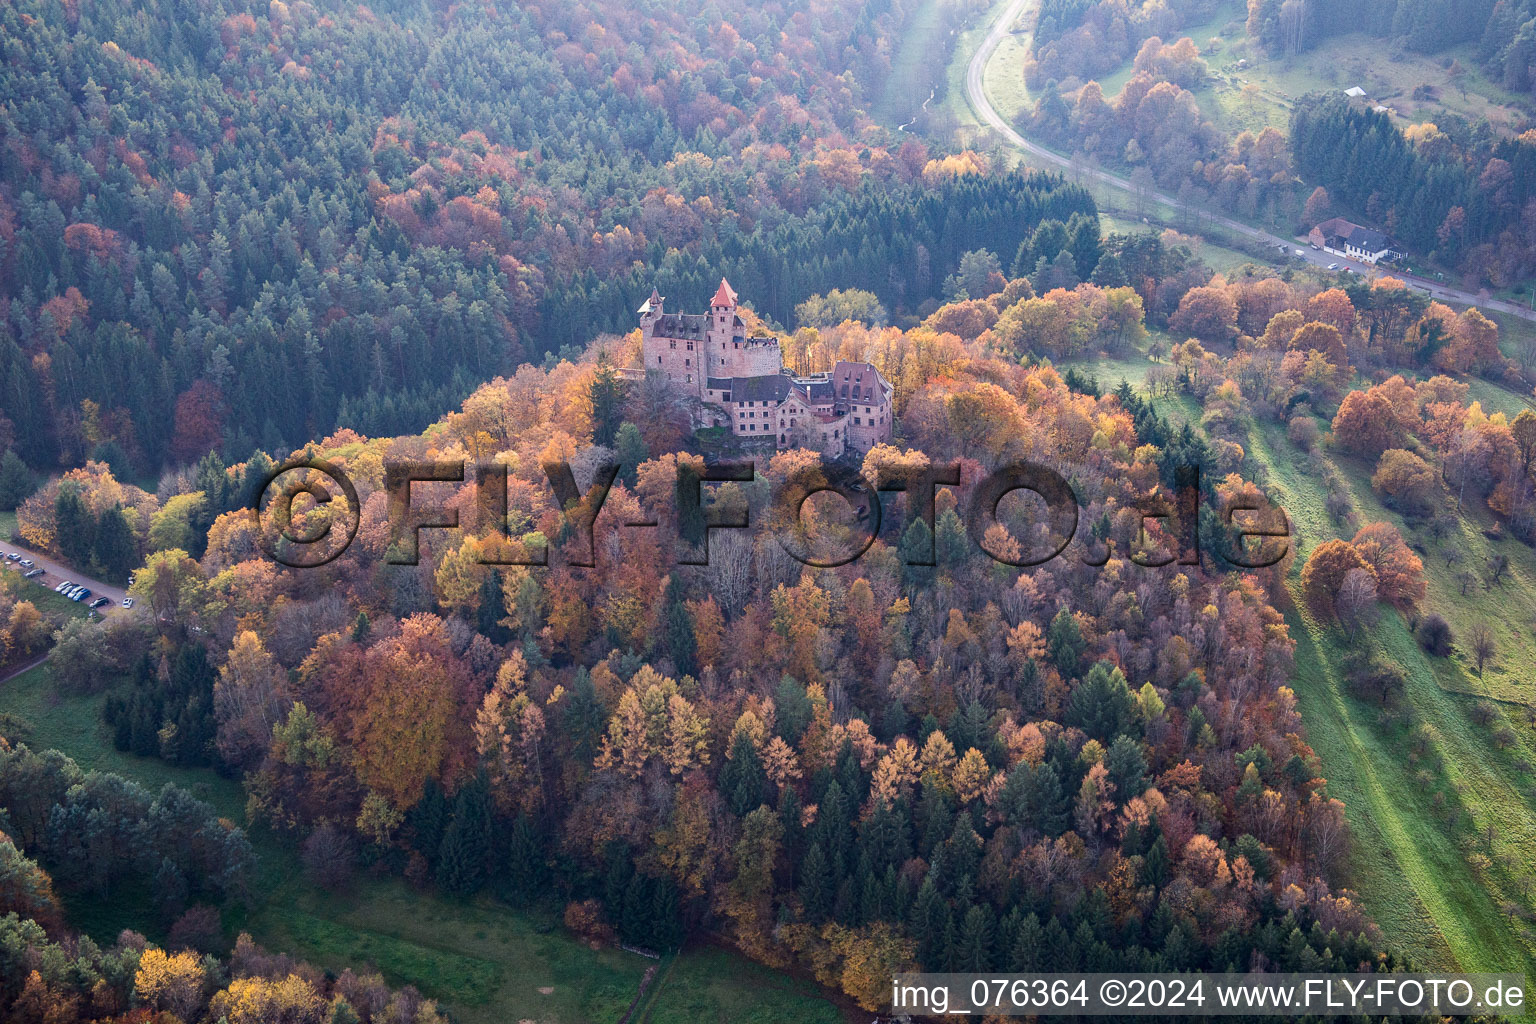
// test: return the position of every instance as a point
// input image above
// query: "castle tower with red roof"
(690, 348)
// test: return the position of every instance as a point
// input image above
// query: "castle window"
(856, 422)
(658, 360)
(672, 344)
(687, 362)
(690, 346)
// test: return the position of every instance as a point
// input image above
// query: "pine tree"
(667, 932)
(490, 612)
(1050, 803)
(816, 891)
(115, 549)
(1127, 768)
(76, 527)
(607, 393)
(741, 780)
(1065, 643)
(917, 549)
(1028, 950)
(973, 951)
(631, 450)
(1155, 869)
(930, 916)
(429, 818)
(456, 871)
(1109, 274)
(525, 871)
(635, 912)
(682, 643)
(16, 481)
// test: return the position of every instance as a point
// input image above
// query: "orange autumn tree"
(1399, 572)
(413, 712)
(1367, 423)
(1324, 573)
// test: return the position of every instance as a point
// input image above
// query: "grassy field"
(713, 986)
(1419, 819)
(52, 605)
(1003, 77)
(7, 525)
(1248, 91)
(484, 961)
(917, 67)
(1444, 834)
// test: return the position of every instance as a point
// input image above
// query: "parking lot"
(55, 573)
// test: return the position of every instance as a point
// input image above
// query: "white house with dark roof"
(1346, 238)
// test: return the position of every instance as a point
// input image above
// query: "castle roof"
(860, 376)
(818, 389)
(770, 387)
(681, 325)
(725, 295)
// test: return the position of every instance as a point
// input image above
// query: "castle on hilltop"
(741, 382)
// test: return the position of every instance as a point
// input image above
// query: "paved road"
(989, 115)
(56, 573)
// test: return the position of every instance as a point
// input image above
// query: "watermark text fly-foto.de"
(410, 513)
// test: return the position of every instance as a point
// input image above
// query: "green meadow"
(487, 963)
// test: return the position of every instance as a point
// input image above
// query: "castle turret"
(650, 311)
(724, 302)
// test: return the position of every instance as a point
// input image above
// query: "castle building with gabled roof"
(741, 381)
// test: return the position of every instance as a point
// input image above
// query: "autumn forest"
(553, 761)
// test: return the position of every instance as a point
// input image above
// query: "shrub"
(199, 929)
(1378, 681)
(1435, 635)
(1304, 432)
(328, 857)
(585, 920)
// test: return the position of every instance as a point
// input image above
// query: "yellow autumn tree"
(257, 1000)
(896, 772)
(170, 982)
(938, 759)
(971, 776)
(654, 720)
(780, 763)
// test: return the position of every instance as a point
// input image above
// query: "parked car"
(33, 574)
(63, 586)
(1333, 266)
(100, 601)
(27, 563)
(81, 594)
(13, 556)
(127, 602)
(1316, 247)
(1300, 254)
